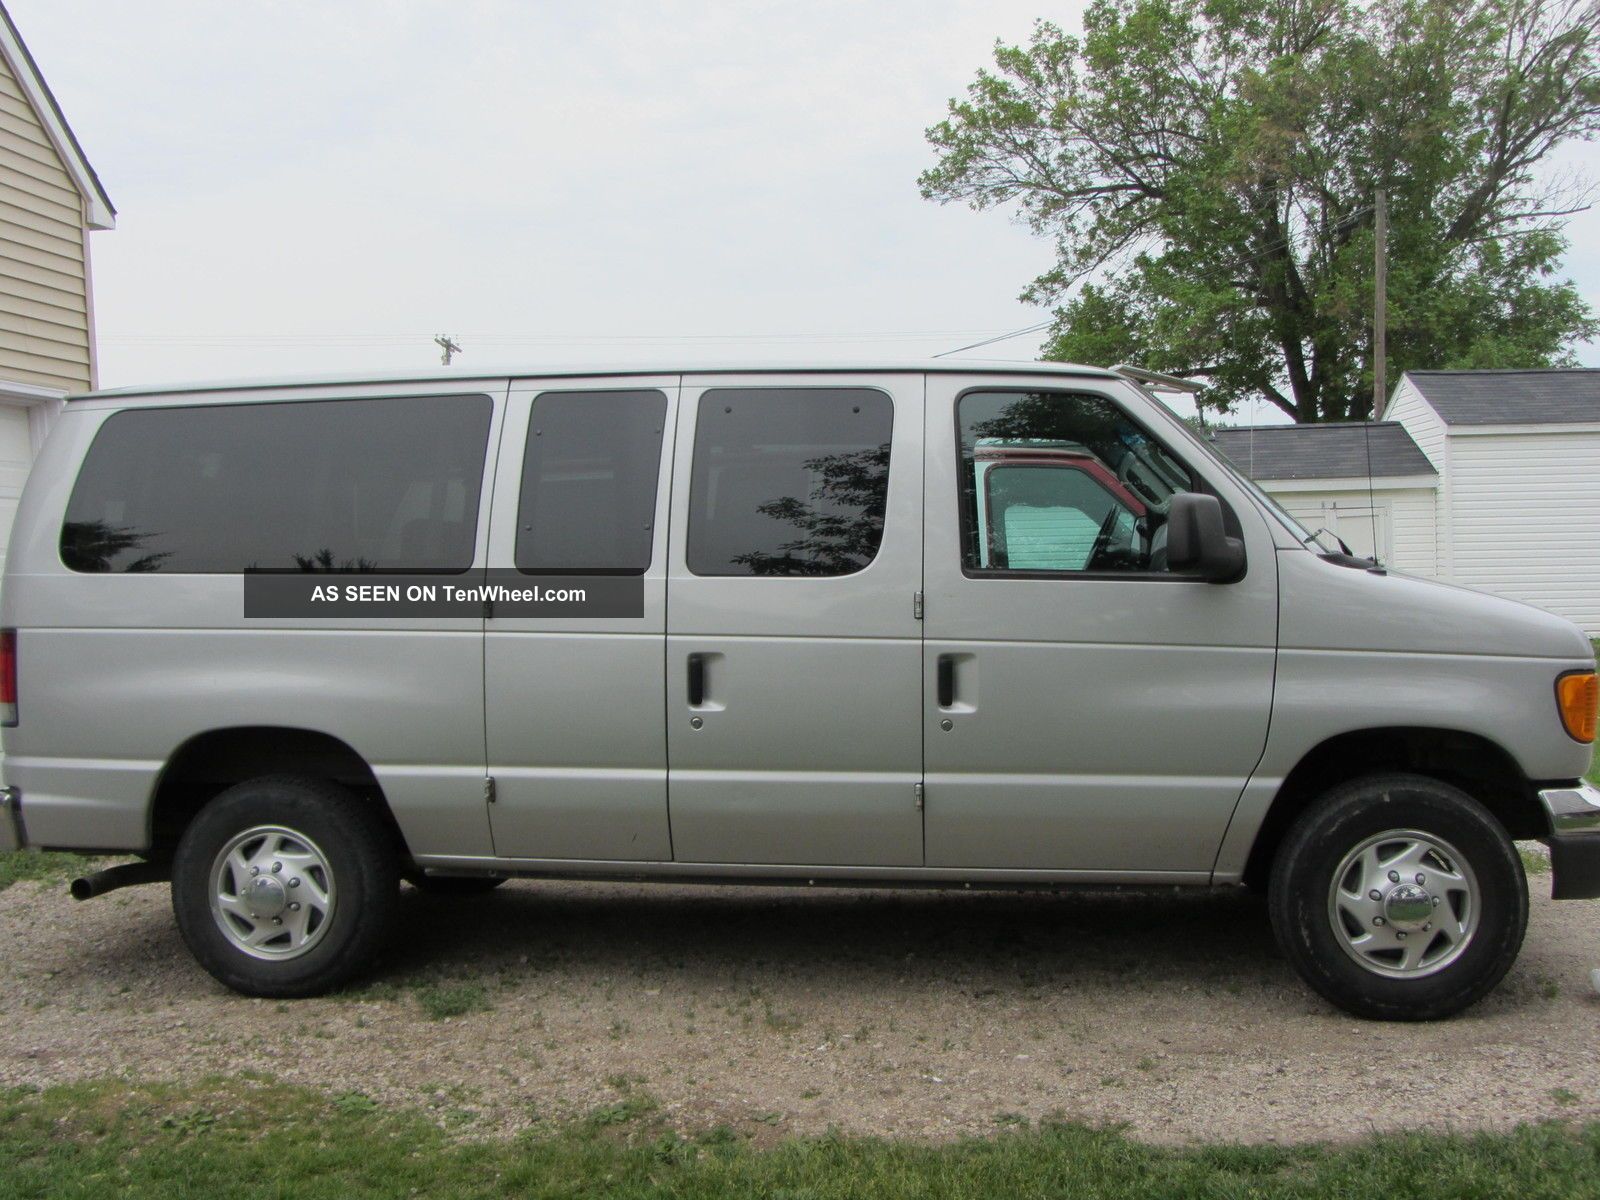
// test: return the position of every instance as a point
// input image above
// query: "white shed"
(1518, 454)
(1320, 474)
(1490, 479)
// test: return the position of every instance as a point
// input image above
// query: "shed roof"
(1556, 396)
(1337, 450)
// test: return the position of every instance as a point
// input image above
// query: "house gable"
(49, 201)
(27, 84)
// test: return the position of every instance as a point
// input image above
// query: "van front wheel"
(1400, 898)
(285, 887)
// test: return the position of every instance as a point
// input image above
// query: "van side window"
(327, 485)
(589, 483)
(1061, 482)
(788, 481)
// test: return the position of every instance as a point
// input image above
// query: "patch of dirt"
(775, 1010)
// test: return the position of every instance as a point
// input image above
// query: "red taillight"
(8, 676)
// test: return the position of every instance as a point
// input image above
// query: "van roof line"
(515, 372)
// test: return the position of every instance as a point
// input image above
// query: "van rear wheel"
(1398, 897)
(285, 886)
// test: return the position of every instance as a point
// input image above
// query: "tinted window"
(1062, 481)
(788, 481)
(355, 485)
(589, 482)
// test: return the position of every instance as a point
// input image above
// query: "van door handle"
(947, 681)
(697, 680)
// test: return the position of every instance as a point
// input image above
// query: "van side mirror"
(1197, 543)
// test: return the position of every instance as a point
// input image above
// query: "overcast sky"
(303, 186)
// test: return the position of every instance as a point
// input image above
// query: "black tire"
(361, 856)
(1299, 896)
(454, 887)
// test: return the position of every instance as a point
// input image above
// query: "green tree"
(1207, 171)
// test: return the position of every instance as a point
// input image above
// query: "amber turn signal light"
(1578, 694)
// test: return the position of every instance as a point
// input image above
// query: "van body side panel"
(807, 746)
(1098, 723)
(1367, 651)
(576, 736)
(118, 670)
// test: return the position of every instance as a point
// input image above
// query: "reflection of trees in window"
(94, 545)
(1042, 416)
(322, 561)
(842, 523)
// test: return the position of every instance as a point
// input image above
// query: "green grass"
(249, 1137)
(444, 1000)
(47, 865)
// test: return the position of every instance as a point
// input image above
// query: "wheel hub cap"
(272, 892)
(1408, 906)
(1404, 904)
(267, 897)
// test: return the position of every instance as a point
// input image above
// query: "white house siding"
(1405, 509)
(1524, 517)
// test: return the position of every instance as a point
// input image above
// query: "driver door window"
(1061, 482)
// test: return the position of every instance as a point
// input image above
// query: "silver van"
(933, 624)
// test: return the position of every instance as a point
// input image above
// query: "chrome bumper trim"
(1573, 809)
(11, 836)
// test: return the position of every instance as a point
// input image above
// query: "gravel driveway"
(921, 1014)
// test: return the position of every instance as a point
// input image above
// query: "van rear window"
(386, 484)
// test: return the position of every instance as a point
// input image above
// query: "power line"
(1004, 337)
(356, 340)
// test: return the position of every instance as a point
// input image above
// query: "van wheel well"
(1474, 764)
(212, 762)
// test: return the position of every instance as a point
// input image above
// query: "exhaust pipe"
(112, 878)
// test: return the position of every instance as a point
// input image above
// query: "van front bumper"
(1574, 840)
(11, 837)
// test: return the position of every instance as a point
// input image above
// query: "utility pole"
(1380, 301)
(449, 345)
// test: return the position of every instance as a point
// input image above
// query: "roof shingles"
(1329, 451)
(1558, 396)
